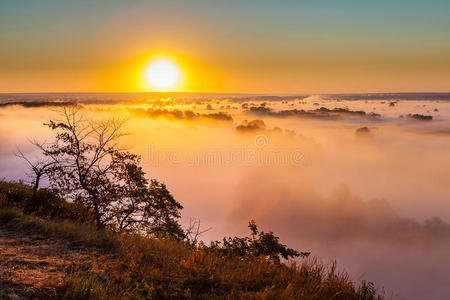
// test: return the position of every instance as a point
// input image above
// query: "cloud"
(379, 226)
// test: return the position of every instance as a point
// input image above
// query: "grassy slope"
(33, 265)
(146, 268)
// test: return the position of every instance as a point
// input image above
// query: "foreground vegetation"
(99, 196)
(166, 268)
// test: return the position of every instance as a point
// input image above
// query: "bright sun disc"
(162, 74)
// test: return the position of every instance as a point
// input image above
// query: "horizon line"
(233, 93)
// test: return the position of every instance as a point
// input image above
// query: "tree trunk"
(35, 187)
(30, 207)
(97, 215)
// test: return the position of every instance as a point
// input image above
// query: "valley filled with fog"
(360, 180)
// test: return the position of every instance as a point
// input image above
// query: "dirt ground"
(33, 265)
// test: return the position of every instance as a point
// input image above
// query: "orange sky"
(297, 47)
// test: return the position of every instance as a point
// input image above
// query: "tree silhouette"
(39, 169)
(90, 168)
(259, 243)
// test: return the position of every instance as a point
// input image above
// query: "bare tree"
(39, 168)
(84, 151)
(193, 231)
(90, 168)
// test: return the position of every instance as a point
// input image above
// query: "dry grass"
(148, 268)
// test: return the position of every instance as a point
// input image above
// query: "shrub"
(15, 193)
(47, 203)
(258, 244)
(149, 268)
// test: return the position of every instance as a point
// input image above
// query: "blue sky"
(250, 36)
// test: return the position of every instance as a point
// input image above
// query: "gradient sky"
(226, 46)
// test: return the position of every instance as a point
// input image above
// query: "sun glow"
(162, 74)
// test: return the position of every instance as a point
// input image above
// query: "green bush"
(7, 216)
(15, 193)
(47, 203)
(260, 243)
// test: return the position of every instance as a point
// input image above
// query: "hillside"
(34, 265)
(47, 258)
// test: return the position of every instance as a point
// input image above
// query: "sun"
(162, 74)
